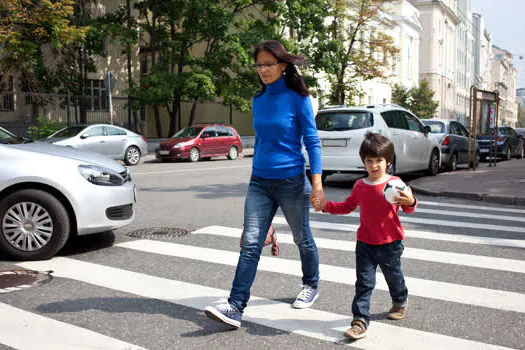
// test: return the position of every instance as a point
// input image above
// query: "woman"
(283, 120)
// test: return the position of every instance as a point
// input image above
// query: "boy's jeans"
(264, 196)
(388, 257)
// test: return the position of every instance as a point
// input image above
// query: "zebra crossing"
(464, 267)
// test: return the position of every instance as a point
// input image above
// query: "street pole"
(110, 99)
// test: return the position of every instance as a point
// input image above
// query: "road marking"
(452, 237)
(471, 215)
(270, 313)
(475, 207)
(469, 295)
(448, 223)
(25, 330)
(480, 261)
(190, 170)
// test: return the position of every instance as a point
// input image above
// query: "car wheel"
(453, 165)
(132, 156)
(433, 165)
(34, 225)
(233, 153)
(195, 155)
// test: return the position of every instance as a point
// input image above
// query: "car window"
(511, 132)
(95, 131)
(210, 132)
(464, 130)
(398, 120)
(339, 121)
(455, 129)
(6, 138)
(435, 126)
(221, 131)
(69, 131)
(192, 131)
(413, 124)
(231, 132)
(114, 131)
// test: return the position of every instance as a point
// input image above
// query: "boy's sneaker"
(357, 331)
(306, 297)
(224, 313)
(397, 312)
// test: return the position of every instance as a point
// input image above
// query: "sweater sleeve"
(409, 209)
(309, 131)
(345, 207)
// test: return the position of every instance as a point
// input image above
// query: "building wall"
(504, 81)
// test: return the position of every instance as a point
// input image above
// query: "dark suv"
(201, 141)
(507, 144)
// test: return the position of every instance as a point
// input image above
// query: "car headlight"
(100, 176)
(180, 145)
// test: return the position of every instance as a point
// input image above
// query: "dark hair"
(292, 77)
(377, 145)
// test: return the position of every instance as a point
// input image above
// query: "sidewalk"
(503, 184)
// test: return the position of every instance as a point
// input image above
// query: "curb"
(485, 197)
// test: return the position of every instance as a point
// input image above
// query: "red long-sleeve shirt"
(379, 222)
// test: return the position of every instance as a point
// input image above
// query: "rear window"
(435, 127)
(338, 121)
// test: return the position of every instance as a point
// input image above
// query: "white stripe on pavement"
(190, 170)
(447, 223)
(475, 207)
(471, 215)
(452, 237)
(24, 330)
(484, 262)
(469, 295)
(277, 315)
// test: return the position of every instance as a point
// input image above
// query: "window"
(231, 132)
(413, 124)
(96, 94)
(209, 132)
(6, 95)
(343, 121)
(395, 119)
(114, 131)
(221, 131)
(435, 127)
(95, 131)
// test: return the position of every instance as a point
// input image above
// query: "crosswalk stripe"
(501, 300)
(277, 315)
(447, 223)
(484, 262)
(436, 236)
(475, 207)
(24, 330)
(470, 215)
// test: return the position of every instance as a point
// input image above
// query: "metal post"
(469, 160)
(496, 93)
(475, 116)
(110, 99)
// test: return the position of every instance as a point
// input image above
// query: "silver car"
(109, 140)
(48, 193)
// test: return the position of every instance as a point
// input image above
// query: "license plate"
(164, 153)
(483, 150)
(334, 143)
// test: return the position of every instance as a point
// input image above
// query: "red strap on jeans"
(271, 238)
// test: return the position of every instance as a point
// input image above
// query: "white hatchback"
(342, 130)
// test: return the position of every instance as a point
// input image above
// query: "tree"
(521, 116)
(419, 100)
(353, 48)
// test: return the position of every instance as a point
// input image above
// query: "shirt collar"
(277, 86)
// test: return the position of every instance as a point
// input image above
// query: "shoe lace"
(226, 308)
(305, 293)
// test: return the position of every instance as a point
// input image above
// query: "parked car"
(109, 140)
(201, 141)
(521, 131)
(48, 193)
(507, 144)
(342, 129)
(453, 138)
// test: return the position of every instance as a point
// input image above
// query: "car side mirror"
(426, 129)
(84, 136)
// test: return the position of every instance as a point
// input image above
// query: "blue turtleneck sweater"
(283, 120)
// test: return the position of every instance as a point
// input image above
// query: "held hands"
(317, 198)
(405, 198)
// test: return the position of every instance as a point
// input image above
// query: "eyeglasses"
(265, 65)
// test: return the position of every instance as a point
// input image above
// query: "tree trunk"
(130, 77)
(192, 113)
(153, 61)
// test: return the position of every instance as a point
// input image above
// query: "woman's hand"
(317, 198)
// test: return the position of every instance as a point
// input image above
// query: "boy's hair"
(377, 145)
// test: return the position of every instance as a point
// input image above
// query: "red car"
(201, 141)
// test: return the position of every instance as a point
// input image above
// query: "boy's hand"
(405, 197)
(316, 198)
(319, 204)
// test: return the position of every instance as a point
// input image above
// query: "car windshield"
(7, 138)
(435, 127)
(69, 131)
(188, 132)
(338, 121)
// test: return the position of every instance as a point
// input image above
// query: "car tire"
(233, 153)
(42, 207)
(195, 154)
(132, 156)
(453, 164)
(433, 164)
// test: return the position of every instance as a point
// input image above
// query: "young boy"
(380, 235)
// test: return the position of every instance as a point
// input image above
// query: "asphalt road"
(464, 263)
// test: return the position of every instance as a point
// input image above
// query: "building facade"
(482, 52)
(504, 81)
(465, 61)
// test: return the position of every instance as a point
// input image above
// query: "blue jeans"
(264, 196)
(388, 257)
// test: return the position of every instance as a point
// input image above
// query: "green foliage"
(44, 128)
(521, 116)
(419, 100)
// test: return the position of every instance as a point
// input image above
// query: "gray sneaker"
(224, 313)
(306, 297)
